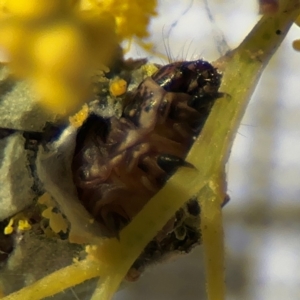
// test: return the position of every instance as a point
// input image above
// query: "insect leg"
(169, 163)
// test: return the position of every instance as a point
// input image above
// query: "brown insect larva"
(120, 163)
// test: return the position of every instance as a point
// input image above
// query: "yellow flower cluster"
(132, 16)
(57, 44)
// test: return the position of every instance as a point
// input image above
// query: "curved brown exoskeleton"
(119, 164)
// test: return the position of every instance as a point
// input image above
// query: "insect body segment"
(120, 163)
(192, 77)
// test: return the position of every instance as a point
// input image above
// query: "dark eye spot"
(193, 207)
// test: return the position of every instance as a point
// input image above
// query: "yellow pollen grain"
(56, 221)
(46, 199)
(24, 225)
(47, 212)
(9, 228)
(78, 119)
(118, 87)
(149, 69)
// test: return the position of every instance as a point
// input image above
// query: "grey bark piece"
(18, 107)
(54, 171)
(33, 258)
(15, 177)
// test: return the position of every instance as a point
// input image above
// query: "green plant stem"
(212, 239)
(241, 71)
(58, 281)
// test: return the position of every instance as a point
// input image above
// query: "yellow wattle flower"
(132, 17)
(34, 8)
(57, 44)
